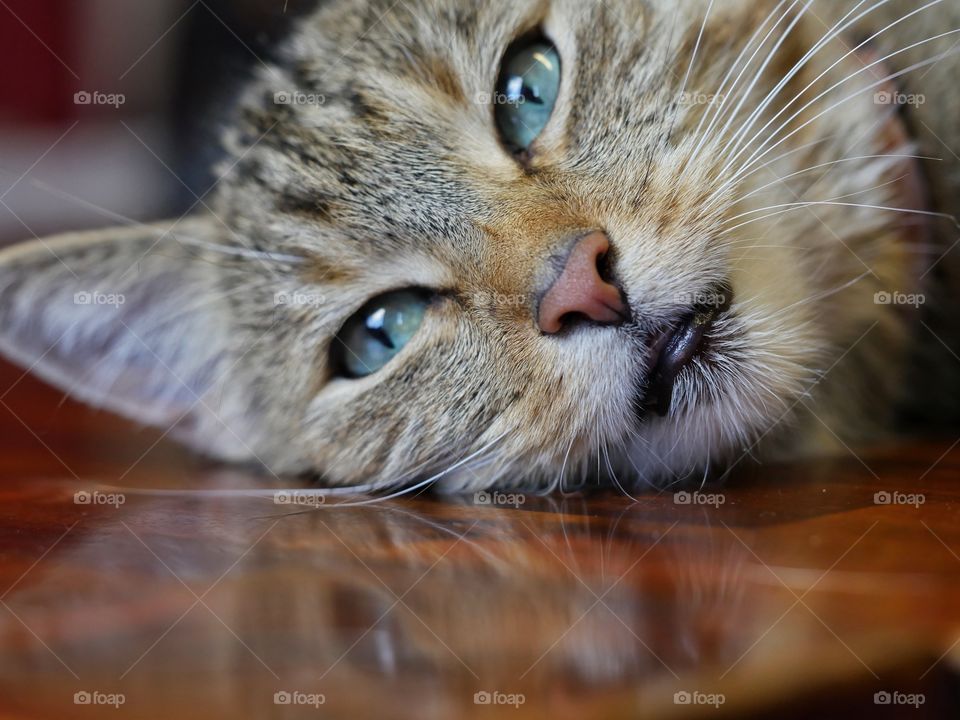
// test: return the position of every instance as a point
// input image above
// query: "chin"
(738, 394)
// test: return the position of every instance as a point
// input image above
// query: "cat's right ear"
(134, 320)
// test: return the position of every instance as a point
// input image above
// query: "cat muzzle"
(677, 348)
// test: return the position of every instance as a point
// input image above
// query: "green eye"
(527, 92)
(371, 338)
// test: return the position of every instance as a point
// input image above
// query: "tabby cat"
(529, 243)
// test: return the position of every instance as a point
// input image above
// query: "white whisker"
(829, 36)
(717, 114)
(746, 94)
(828, 164)
(733, 67)
(786, 207)
(176, 235)
(753, 158)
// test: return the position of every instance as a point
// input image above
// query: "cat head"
(496, 242)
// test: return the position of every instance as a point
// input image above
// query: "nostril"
(572, 318)
(603, 266)
(582, 290)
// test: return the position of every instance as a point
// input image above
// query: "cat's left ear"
(133, 320)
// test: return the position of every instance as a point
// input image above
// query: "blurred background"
(111, 109)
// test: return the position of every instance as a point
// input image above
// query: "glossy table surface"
(799, 592)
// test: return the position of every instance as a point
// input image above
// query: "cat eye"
(527, 92)
(379, 331)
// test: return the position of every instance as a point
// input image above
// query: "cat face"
(424, 205)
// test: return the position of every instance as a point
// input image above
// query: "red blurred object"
(38, 59)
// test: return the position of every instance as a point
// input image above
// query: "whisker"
(352, 490)
(800, 202)
(814, 203)
(696, 48)
(706, 469)
(830, 35)
(833, 162)
(720, 92)
(784, 156)
(759, 73)
(733, 67)
(176, 235)
(821, 295)
(931, 61)
(558, 483)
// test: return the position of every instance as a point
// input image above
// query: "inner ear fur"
(133, 320)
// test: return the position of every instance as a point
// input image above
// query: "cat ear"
(132, 320)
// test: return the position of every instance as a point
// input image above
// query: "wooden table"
(798, 596)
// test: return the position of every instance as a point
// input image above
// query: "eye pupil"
(382, 336)
(378, 332)
(375, 326)
(533, 97)
(527, 92)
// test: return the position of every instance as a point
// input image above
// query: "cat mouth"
(675, 349)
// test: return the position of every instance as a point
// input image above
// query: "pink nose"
(579, 292)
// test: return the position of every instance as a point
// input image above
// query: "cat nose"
(580, 291)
